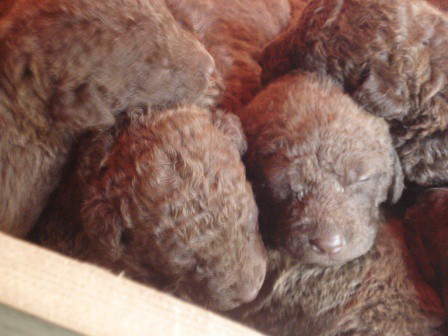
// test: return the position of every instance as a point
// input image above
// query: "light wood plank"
(91, 301)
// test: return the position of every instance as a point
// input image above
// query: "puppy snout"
(249, 295)
(209, 68)
(252, 282)
(329, 244)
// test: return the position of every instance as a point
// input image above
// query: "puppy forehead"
(345, 156)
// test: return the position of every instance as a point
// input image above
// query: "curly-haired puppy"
(321, 168)
(234, 33)
(70, 65)
(427, 233)
(391, 57)
(378, 294)
(165, 199)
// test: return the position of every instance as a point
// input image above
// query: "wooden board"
(91, 301)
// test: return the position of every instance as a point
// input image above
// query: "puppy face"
(169, 204)
(82, 62)
(322, 167)
(389, 57)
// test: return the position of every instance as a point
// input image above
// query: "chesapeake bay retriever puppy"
(426, 226)
(321, 166)
(390, 56)
(378, 294)
(67, 66)
(234, 33)
(164, 199)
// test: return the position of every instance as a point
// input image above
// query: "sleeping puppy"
(164, 199)
(377, 294)
(71, 65)
(321, 167)
(390, 57)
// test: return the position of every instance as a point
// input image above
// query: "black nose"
(330, 244)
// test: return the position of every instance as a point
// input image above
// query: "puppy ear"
(80, 106)
(104, 226)
(397, 186)
(281, 56)
(230, 125)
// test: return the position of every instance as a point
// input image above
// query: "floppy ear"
(397, 186)
(230, 125)
(104, 225)
(282, 55)
(80, 106)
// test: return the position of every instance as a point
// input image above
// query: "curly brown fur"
(390, 56)
(5, 5)
(427, 233)
(164, 199)
(66, 66)
(321, 168)
(378, 294)
(440, 4)
(234, 32)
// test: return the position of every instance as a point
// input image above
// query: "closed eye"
(366, 178)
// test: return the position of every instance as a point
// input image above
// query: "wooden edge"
(91, 301)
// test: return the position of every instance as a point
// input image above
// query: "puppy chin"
(191, 293)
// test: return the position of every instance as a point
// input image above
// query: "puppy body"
(378, 294)
(67, 66)
(234, 32)
(321, 167)
(390, 56)
(426, 224)
(165, 200)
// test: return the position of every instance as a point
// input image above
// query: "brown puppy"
(321, 168)
(378, 294)
(234, 33)
(390, 56)
(164, 199)
(427, 233)
(66, 66)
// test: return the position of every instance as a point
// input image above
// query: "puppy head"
(84, 61)
(324, 166)
(171, 202)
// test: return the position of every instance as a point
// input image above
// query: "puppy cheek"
(80, 108)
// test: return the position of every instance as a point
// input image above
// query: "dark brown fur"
(440, 4)
(70, 65)
(321, 167)
(427, 233)
(391, 57)
(234, 33)
(378, 294)
(165, 200)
